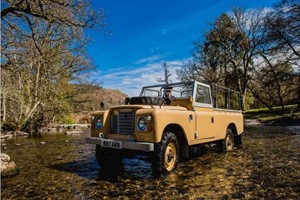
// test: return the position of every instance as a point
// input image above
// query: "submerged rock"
(75, 132)
(8, 167)
(48, 130)
(18, 133)
(4, 137)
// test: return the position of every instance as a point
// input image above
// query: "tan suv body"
(167, 129)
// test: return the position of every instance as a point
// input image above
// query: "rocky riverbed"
(267, 166)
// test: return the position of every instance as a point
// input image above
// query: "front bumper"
(139, 146)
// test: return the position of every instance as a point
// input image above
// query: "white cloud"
(252, 16)
(149, 59)
(164, 31)
(131, 81)
(155, 49)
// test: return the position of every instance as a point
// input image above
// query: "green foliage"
(264, 114)
(66, 119)
(222, 52)
(43, 55)
(249, 101)
(254, 52)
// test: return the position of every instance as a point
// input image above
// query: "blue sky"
(146, 33)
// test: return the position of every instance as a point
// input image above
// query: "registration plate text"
(112, 144)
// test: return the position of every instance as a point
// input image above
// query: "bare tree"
(191, 71)
(63, 12)
(273, 82)
(167, 74)
(282, 26)
(227, 54)
(42, 53)
(278, 80)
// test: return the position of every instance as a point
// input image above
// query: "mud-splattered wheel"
(228, 143)
(170, 157)
(166, 154)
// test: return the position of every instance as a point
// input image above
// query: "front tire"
(166, 154)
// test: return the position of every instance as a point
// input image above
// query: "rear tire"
(238, 140)
(166, 154)
(227, 144)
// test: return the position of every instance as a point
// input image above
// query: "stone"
(75, 132)
(18, 133)
(4, 137)
(22, 133)
(8, 167)
(3, 146)
(59, 129)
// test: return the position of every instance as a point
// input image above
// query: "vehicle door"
(205, 126)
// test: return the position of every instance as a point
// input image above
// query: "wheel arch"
(232, 127)
(181, 139)
(237, 137)
(178, 131)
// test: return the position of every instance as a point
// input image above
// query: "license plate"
(111, 144)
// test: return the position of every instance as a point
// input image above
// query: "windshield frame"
(159, 89)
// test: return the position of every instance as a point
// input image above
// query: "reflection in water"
(267, 167)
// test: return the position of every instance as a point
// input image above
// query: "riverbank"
(290, 116)
(53, 129)
(283, 126)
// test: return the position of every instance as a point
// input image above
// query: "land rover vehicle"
(166, 128)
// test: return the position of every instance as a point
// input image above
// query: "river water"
(267, 166)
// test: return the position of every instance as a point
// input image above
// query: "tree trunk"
(3, 107)
(29, 115)
(262, 101)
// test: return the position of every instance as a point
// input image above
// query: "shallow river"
(267, 166)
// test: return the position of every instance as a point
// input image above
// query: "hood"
(136, 107)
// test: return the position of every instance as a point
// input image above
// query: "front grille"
(123, 122)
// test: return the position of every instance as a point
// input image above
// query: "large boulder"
(8, 167)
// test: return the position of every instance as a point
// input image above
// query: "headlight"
(142, 124)
(99, 122)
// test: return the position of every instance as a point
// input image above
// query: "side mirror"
(165, 100)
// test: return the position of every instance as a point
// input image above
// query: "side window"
(203, 94)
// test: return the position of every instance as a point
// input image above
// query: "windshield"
(177, 90)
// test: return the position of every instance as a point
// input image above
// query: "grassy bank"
(290, 115)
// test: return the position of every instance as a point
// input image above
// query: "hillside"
(89, 100)
(110, 97)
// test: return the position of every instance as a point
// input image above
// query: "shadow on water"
(83, 168)
(137, 168)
